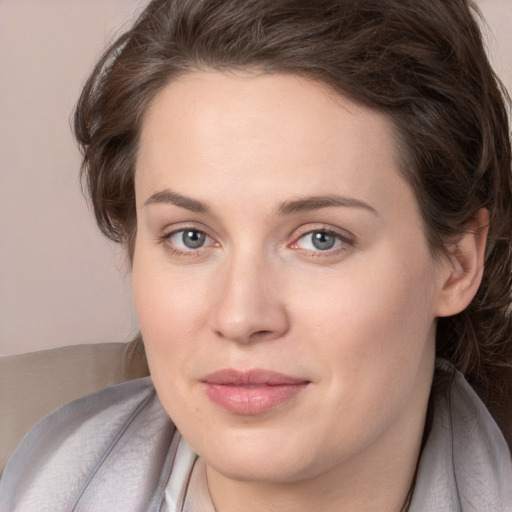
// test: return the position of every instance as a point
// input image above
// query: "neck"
(374, 482)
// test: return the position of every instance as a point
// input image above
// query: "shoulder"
(75, 450)
(466, 463)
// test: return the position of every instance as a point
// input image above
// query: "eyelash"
(164, 239)
(343, 244)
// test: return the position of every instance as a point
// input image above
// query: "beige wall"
(60, 281)
(498, 14)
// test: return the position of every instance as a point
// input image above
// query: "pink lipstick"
(251, 392)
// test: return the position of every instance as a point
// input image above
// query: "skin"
(356, 321)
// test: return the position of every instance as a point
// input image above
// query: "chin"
(269, 470)
(262, 457)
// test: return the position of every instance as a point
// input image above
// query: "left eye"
(319, 241)
(189, 239)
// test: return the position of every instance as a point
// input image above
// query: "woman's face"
(285, 291)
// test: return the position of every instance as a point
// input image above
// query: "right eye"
(188, 239)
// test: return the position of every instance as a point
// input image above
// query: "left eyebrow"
(308, 204)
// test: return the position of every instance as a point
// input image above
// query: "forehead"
(207, 130)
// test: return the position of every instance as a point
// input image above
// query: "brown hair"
(421, 62)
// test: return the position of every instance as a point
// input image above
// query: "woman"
(316, 201)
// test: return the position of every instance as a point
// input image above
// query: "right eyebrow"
(170, 197)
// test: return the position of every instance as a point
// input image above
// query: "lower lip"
(251, 400)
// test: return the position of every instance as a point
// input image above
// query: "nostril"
(254, 337)
(262, 335)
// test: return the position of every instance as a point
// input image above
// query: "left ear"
(464, 267)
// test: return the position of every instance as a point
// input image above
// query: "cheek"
(375, 343)
(169, 309)
(374, 317)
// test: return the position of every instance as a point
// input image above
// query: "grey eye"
(192, 238)
(320, 240)
(323, 240)
(188, 241)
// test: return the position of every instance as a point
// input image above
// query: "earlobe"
(464, 267)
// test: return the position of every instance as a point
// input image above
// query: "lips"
(251, 392)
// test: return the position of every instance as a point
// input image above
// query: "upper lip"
(253, 377)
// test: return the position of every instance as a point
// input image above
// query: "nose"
(249, 306)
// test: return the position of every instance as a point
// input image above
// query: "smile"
(251, 392)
